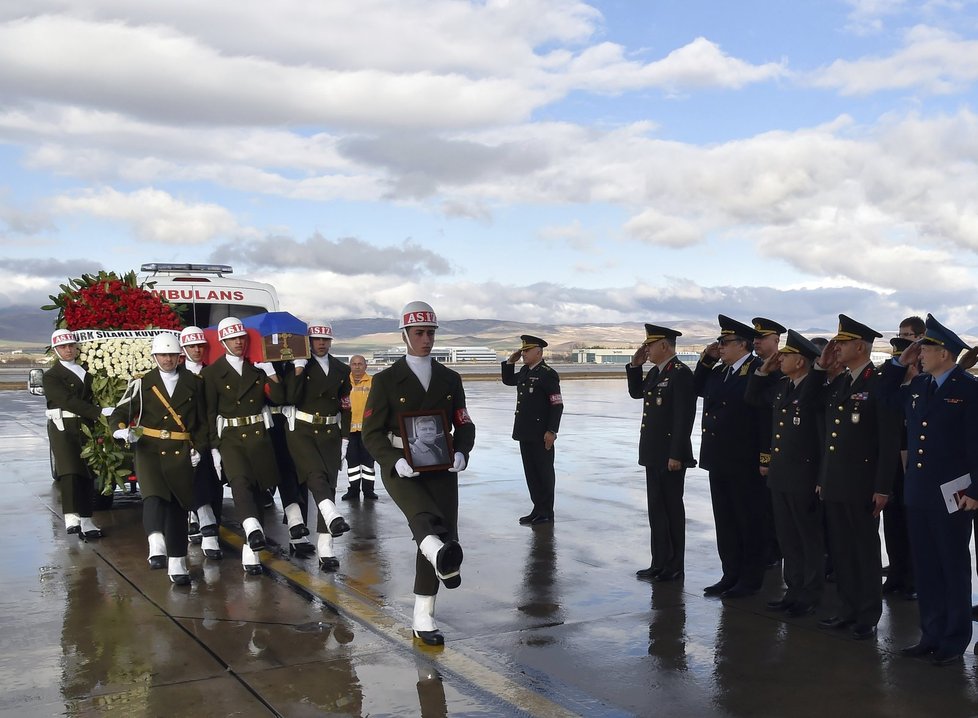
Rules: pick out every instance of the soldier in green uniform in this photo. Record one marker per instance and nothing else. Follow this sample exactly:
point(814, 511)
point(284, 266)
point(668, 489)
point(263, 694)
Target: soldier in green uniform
point(70, 402)
point(238, 420)
point(539, 406)
point(429, 501)
point(167, 408)
point(319, 389)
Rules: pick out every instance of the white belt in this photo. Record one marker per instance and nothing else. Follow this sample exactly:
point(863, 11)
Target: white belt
point(57, 417)
point(316, 419)
point(396, 441)
point(243, 420)
point(59, 414)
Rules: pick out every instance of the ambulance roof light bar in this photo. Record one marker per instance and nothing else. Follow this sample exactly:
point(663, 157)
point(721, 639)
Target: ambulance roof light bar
point(218, 269)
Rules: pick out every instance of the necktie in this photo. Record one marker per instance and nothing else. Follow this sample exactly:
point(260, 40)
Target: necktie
point(730, 373)
point(931, 387)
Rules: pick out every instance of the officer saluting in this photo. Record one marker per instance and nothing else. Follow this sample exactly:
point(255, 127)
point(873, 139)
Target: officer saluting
point(238, 421)
point(68, 392)
point(941, 407)
point(664, 446)
point(539, 406)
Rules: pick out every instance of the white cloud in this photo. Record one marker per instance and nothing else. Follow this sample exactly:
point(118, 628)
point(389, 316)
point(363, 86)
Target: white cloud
point(932, 60)
point(154, 215)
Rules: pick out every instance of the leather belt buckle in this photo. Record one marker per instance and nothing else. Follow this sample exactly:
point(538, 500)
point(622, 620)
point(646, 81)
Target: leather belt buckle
point(164, 434)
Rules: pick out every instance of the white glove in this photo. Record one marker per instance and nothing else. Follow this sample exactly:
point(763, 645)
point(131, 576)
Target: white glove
point(194, 458)
point(300, 363)
point(107, 410)
point(343, 447)
point(459, 463)
point(216, 455)
point(265, 366)
point(120, 434)
point(404, 470)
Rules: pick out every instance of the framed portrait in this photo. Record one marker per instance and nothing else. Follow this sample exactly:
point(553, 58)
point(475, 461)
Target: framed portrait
point(427, 440)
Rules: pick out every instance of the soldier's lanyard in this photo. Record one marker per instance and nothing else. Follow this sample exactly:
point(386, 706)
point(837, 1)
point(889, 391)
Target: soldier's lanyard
point(166, 405)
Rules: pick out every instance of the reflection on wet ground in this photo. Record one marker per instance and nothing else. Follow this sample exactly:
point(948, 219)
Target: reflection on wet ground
point(548, 621)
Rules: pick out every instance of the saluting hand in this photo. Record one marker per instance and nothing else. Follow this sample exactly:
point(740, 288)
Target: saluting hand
point(772, 363)
point(514, 356)
point(640, 356)
point(829, 355)
point(910, 355)
point(712, 350)
point(968, 359)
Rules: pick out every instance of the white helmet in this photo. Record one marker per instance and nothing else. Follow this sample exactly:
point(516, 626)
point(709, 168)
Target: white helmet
point(62, 337)
point(165, 344)
point(192, 335)
point(320, 330)
point(418, 314)
point(229, 328)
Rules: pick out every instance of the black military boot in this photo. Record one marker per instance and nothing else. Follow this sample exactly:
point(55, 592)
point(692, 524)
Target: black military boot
point(353, 493)
point(368, 489)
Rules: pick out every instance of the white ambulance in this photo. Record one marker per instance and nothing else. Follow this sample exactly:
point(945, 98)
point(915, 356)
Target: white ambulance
point(204, 294)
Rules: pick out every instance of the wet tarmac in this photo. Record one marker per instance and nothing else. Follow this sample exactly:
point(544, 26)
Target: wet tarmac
point(548, 621)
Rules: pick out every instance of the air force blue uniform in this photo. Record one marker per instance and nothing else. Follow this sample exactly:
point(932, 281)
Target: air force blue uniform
point(942, 444)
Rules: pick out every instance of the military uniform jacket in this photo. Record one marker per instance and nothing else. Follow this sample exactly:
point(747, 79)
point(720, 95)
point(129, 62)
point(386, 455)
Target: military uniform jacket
point(163, 465)
point(942, 433)
point(395, 390)
point(539, 404)
point(245, 450)
point(732, 436)
point(64, 390)
point(862, 440)
point(795, 445)
point(667, 415)
point(315, 392)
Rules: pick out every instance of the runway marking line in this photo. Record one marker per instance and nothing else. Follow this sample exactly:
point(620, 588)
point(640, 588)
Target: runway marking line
point(355, 605)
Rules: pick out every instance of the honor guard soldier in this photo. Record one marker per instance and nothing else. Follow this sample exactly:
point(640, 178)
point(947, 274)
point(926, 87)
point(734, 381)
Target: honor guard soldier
point(664, 446)
point(428, 501)
point(166, 409)
point(733, 435)
point(940, 491)
point(319, 389)
point(786, 384)
point(539, 406)
point(205, 516)
point(238, 420)
point(70, 402)
point(862, 440)
point(359, 462)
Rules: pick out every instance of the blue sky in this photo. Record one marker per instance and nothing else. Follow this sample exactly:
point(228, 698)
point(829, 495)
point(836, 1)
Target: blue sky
point(544, 160)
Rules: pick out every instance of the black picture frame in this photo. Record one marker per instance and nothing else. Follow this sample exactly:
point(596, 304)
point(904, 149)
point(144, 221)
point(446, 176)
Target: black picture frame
point(432, 453)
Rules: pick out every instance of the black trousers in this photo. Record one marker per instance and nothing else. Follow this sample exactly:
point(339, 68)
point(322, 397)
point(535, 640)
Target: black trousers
point(798, 521)
point(897, 536)
point(538, 467)
point(738, 510)
point(77, 494)
point(208, 488)
point(169, 518)
point(359, 462)
point(667, 517)
point(854, 543)
point(429, 502)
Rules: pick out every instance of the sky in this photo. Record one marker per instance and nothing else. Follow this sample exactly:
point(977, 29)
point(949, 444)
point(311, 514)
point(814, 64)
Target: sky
point(538, 160)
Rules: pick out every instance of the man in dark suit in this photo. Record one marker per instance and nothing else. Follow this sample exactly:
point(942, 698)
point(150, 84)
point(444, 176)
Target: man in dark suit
point(941, 407)
point(238, 421)
point(786, 385)
point(856, 477)
point(731, 444)
point(539, 406)
point(70, 402)
point(664, 446)
point(319, 389)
